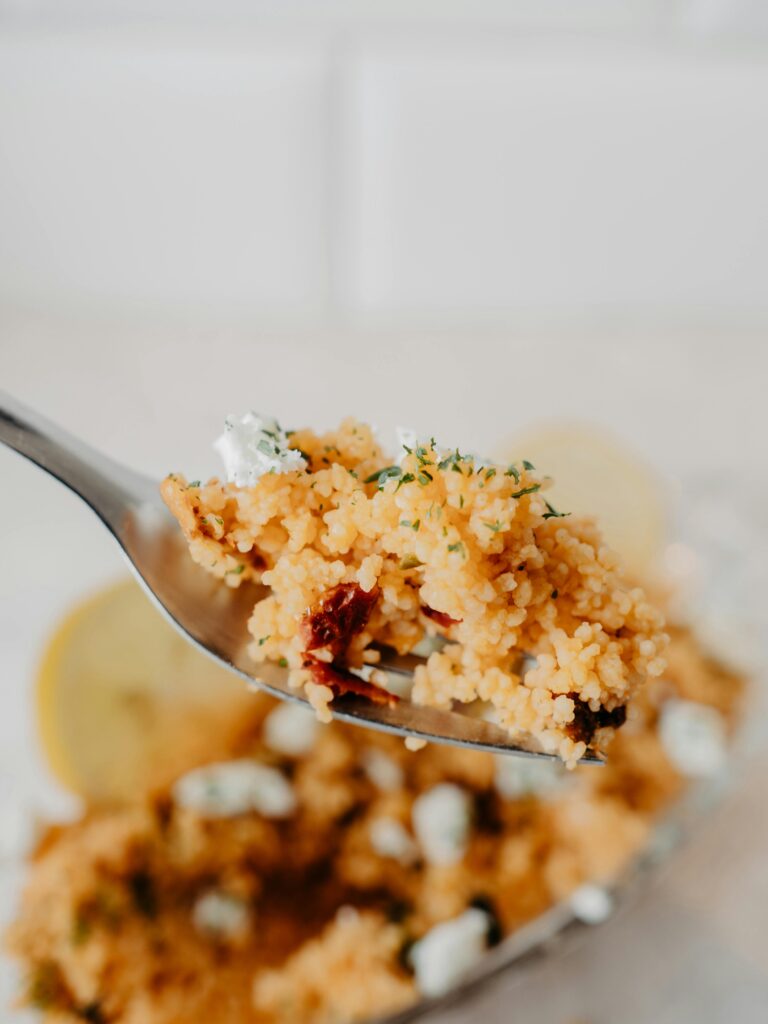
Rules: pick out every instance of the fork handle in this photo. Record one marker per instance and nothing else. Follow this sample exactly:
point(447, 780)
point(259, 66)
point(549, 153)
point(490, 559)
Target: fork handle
point(105, 485)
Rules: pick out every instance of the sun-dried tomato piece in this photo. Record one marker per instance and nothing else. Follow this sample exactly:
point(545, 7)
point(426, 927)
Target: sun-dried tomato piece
point(439, 617)
point(341, 681)
point(339, 614)
point(586, 722)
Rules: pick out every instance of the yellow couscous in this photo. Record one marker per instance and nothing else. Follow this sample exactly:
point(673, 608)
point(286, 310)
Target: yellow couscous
point(359, 550)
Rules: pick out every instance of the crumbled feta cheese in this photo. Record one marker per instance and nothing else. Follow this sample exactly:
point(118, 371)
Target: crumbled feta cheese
point(382, 770)
point(693, 736)
point(441, 819)
point(230, 788)
point(220, 915)
point(390, 838)
point(591, 904)
point(254, 445)
point(290, 729)
point(414, 743)
point(449, 951)
point(516, 777)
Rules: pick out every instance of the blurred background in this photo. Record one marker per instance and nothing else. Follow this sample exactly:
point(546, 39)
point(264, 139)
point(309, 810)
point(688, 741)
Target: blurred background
point(465, 218)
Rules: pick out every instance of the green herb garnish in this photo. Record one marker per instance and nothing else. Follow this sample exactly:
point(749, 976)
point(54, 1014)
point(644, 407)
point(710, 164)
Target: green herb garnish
point(406, 478)
point(268, 447)
point(283, 663)
point(424, 477)
point(512, 471)
point(494, 527)
point(81, 929)
point(381, 477)
point(552, 513)
point(489, 473)
point(527, 490)
point(452, 461)
point(193, 483)
point(236, 571)
point(528, 465)
point(263, 639)
point(410, 562)
point(413, 525)
point(458, 546)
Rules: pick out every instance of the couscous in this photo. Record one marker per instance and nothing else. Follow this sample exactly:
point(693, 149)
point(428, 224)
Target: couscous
point(359, 550)
point(326, 875)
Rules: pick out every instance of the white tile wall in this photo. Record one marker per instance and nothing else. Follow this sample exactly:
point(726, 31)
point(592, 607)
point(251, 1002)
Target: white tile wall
point(456, 175)
point(504, 180)
point(143, 170)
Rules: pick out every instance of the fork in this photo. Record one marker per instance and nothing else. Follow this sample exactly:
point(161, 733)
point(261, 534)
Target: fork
point(211, 616)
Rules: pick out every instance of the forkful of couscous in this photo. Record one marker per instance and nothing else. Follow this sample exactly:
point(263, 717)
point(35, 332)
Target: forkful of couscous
point(433, 595)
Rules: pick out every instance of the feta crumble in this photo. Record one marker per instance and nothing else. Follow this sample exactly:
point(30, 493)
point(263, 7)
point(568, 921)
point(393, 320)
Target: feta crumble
point(591, 904)
point(449, 951)
point(390, 838)
point(382, 770)
point(219, 915)
point(693, 736)
point(252, 446)
point(290, 729)
point(229, 788)
point(516, 777)
point(441, 820)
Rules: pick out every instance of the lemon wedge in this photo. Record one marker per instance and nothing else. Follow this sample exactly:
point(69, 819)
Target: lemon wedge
point(596, 475)
point(124, 704)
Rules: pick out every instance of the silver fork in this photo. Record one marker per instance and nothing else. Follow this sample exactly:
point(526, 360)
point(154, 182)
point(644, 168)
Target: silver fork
point(212, 616)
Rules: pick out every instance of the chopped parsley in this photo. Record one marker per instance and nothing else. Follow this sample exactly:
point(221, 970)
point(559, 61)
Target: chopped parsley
point(406, 478)
point(494, 527)
point(424, 477)
point(268, 447)
point(381, 477)
point(236, 571)
point(193, 483)
point(513, 472)
point(527, 490)
point(528, 465)
point(461, 501)
point(283, 663)
point(452, 461)
point(458, 546)
point(410, 562)
point(413, 525)
point(81, 929)
point(421, 455)
point(552, 513)
point(263, 639)
point(490, 472)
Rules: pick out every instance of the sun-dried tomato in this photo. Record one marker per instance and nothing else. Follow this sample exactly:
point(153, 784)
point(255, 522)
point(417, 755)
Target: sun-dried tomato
point(586, 722)
point(340, 613)
point(439, 617)
point(342, 681)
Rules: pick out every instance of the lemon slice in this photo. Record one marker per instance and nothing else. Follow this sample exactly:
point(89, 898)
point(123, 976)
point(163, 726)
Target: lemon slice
point(125, 704)
point(594, 474)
